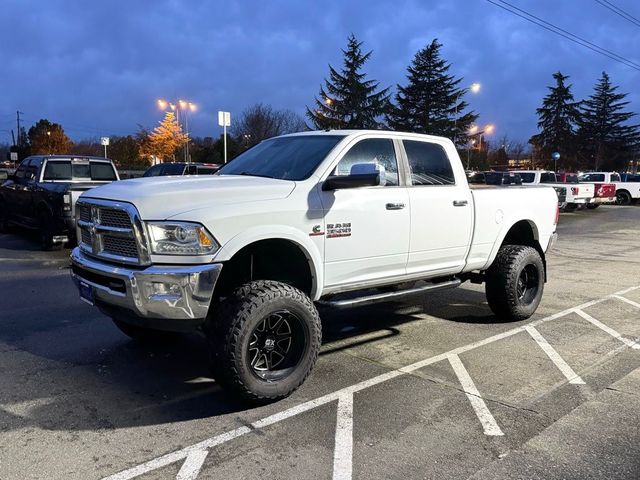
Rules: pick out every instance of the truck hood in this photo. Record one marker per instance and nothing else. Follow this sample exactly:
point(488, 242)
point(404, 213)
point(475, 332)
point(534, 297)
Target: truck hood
point(159, 198)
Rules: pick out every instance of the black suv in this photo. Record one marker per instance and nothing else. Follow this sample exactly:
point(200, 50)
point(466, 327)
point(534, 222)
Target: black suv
point(165, 169)
point(43, 191)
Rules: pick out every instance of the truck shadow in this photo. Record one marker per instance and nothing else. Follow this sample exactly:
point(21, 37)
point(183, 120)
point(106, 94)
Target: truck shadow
point(103, 381)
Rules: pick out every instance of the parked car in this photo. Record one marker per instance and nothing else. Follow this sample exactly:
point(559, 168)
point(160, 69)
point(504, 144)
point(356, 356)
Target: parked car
point(576, 195)
point(178, 168)
point(630, 177)
point(43, 191)
point(602, 192)
point(476, 178)
point(626, 192)
point(502, 178)
point(303, 218)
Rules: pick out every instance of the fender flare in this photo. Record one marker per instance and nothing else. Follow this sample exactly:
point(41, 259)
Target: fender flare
point(503, 234)
point(278, 232)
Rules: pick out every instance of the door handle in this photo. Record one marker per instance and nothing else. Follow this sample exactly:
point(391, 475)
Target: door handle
point(395, 206)
point(460, 203)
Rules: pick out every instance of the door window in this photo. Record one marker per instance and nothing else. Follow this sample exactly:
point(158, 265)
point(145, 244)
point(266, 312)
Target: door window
point(547, 177)
point(428, 163)
point(378, 151)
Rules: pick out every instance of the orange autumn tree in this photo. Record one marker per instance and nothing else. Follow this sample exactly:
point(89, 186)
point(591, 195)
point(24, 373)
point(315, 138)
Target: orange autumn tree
point(165, 139)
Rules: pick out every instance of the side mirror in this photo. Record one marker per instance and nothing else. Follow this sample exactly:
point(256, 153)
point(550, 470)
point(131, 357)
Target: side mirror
point(361, 175)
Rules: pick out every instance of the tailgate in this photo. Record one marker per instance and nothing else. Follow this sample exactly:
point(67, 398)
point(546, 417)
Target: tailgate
point(583, 191)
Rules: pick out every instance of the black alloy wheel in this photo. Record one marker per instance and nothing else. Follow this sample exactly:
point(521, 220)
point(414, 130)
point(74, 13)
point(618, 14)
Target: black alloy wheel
point(528, 284)
point(276, 345)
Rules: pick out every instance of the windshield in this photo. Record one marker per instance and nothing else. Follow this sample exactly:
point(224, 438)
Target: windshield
point(285, 158)
point(527, 177)
point(73, 170)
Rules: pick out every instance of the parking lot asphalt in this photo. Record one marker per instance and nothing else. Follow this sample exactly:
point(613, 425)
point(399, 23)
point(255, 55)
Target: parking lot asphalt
point(437, 388)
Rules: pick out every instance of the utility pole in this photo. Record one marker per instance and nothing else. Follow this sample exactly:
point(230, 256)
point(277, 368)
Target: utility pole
point(18, 113)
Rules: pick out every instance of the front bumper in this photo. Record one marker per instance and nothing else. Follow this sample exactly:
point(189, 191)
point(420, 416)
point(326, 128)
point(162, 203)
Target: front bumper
point(155, 292)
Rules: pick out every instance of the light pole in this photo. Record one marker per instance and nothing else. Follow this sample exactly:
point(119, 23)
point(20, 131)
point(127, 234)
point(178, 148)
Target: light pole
point(475, 131)
point(473, 88)
point(186, 107)
point(49, 141)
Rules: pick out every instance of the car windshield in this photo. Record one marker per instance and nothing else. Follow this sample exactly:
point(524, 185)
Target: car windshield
point(285, 158)
point(527, 177)
point(79, 170)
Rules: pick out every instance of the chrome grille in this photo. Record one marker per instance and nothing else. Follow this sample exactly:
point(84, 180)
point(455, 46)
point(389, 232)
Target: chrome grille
point(110, 217)
point(86, 237)
point(85, 213)
point(112, 231)
point(120, 247)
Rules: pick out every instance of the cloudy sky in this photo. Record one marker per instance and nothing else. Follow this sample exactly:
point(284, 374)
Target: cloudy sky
point(98, 67)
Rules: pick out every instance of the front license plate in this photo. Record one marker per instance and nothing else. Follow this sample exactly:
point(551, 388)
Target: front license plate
point(86, 293)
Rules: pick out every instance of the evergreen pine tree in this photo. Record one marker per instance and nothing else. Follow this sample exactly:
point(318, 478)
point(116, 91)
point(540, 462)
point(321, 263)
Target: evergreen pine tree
point(557, 123)
point(348, 99)
point(607, 141)
point(431, 101)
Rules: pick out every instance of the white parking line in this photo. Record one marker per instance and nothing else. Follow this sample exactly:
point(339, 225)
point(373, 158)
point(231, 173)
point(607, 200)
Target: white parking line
point(489, 424)
point(630, 302)
point(337, 395)
point(343, 453)
point(555, 357)
point(192, 465)
point(609, 330)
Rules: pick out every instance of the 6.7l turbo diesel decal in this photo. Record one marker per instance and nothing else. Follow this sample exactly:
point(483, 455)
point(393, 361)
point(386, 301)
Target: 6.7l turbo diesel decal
point(335, 230)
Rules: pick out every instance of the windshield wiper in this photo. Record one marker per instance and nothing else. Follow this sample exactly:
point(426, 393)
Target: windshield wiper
point(250, 174)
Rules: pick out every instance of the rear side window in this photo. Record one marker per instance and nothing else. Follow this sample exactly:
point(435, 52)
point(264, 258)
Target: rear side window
point(547, 178)
point(615, 177)
point(527, 177)
point(428, 163)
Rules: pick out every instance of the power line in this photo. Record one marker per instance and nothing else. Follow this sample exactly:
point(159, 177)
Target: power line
point(617, 10)
point(564, 33)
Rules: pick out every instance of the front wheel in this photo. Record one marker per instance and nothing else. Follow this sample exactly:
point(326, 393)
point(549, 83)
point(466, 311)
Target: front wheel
point(515, 282)
point(264, 340)
point(4, 217)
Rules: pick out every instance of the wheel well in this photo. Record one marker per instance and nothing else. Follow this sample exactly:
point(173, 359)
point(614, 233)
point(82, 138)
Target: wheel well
point(523, 233)
point(274, 259)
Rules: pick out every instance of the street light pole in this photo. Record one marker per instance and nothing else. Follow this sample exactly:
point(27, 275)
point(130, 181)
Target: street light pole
point(473, 88)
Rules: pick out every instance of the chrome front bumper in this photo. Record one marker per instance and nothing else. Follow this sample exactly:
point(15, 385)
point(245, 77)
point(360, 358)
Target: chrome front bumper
point(162, 292)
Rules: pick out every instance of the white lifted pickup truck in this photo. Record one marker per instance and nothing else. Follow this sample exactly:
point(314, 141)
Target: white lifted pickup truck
point(335, 219)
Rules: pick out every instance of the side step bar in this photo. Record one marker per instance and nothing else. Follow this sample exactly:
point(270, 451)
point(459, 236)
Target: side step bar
point(386, 296)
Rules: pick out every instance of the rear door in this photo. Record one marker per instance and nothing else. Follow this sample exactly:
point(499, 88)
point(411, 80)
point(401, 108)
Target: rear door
point(441, 210)
point(366, 228)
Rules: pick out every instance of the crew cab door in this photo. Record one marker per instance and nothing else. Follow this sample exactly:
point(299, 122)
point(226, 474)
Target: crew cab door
point(366, 228)
point(441, 210)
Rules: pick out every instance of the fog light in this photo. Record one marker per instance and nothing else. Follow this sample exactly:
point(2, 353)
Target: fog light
point(162, 288)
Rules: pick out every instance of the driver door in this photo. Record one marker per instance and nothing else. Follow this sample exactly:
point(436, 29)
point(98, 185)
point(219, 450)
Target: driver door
point(366, 228)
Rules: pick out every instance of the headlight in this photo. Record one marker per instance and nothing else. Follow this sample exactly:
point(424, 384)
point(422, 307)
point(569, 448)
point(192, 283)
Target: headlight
point(180, 238)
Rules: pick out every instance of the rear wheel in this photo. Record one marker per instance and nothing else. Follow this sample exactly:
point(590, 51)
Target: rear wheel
point(592, 206)
point(623, 197)
point(569, 207)
point(46, 232)
point(264, 340)
point(515, 282)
